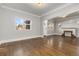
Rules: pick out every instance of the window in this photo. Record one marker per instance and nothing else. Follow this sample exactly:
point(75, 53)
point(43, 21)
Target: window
point(23, 24)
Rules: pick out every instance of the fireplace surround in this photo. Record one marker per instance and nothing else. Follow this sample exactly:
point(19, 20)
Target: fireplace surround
point(70, 32)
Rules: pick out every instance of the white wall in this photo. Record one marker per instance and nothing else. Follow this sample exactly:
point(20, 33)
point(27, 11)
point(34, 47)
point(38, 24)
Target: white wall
point(70, 24)
point(67, 24)
point(8, 26)
point(62, 12)
point(50, 27)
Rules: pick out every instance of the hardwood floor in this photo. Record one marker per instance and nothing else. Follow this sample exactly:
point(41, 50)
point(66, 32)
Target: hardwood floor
point(48, 46)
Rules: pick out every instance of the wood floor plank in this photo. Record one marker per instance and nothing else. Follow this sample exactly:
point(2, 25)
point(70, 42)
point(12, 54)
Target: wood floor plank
point(47, 46)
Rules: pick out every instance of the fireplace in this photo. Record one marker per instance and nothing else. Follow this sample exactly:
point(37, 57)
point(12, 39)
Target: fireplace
point(70, 32)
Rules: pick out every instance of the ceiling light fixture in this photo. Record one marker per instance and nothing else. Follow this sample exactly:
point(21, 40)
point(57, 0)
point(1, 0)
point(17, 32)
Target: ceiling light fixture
point(40, 3)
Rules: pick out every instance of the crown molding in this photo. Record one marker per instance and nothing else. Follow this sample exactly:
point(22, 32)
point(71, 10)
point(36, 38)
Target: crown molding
point(45, 14)
point(17, 10)
point(62, 6)
point(20, 11)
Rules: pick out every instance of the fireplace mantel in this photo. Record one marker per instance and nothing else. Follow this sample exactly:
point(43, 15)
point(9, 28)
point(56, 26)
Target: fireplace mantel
point(69, 28)
point(69, 32)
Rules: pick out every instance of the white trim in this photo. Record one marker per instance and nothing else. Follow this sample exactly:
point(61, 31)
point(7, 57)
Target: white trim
point(49, 34)
point(58, 33)
point(63, 6)
point(18, 39)
point(17, 10)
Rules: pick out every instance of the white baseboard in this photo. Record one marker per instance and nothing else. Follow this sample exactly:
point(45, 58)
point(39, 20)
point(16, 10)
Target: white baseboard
point(53, 34)
point(18, 39)
point(49, 34)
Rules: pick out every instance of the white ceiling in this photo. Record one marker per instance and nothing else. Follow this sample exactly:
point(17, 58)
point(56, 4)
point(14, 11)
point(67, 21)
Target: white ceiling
point(33, 7)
